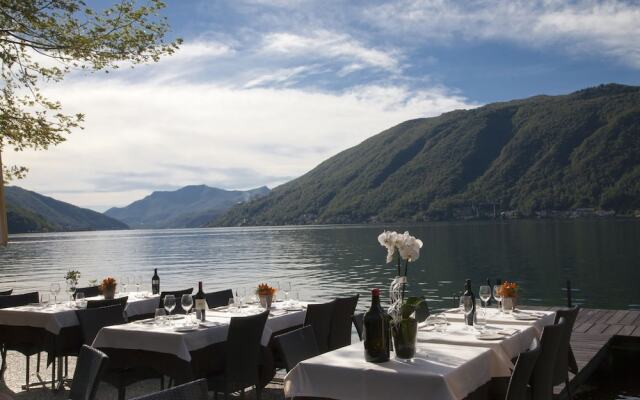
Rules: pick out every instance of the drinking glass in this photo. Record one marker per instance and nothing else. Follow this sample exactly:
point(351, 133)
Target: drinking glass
point(55, 289)
point(169, 304)
point(159, 316)
point(287, 290)
point(468, 308)
point(45, 298)
point(138, 282)
point(80, 301)
point(187, 303)
point(480, 320)
point(232, 304)
point(441, 323)
point(125, 284)
point(485, 295)
point(71, 289)
point(461, 304)
point(497, 296)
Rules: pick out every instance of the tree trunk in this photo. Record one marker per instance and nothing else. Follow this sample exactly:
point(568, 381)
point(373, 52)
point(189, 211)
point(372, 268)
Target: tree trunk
point(4, 229)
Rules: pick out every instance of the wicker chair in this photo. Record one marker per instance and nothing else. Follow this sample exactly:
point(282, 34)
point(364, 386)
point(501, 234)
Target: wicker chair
point(218, 299)
point(566, 364)
point(6, 292)
point(341, 322)
point(296, 346)
point(89, 369)
point(358, 322)
point(196, 390)
point(107, 302)
point(319, 317)
point(519, 383)
point(242, 356)
point(89, 291)
point(94, 319)
point(543, 373)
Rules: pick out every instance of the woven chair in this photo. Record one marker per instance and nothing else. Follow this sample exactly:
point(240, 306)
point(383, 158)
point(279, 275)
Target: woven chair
point(178, 295)
point(566, 364)
point(219, 298)
point(27, 342)
point(543, 373)
point(319, 317)
point(6, 292)
point(341, 322)
point(242, 356)
point(358, 322)
point(94, 319)
point(107, 302)
point(89, 369)
point(196, 390)
point(519, 383)
point(89, 291)
point(296, 346)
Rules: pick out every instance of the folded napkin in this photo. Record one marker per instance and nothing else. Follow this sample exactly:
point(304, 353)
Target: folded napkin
point(508, 331)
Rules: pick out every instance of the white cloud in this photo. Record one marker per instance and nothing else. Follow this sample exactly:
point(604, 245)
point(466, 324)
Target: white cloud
point(144, 136)
point(582, 27)
point(331, 45)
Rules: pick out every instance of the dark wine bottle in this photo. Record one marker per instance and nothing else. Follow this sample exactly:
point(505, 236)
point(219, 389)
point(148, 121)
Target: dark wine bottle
point(155, 282)
point(469, 296)
point(376, 331)
point(201, 304)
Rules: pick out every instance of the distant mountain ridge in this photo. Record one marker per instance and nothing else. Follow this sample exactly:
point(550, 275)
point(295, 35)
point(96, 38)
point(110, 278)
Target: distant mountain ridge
point(188, 207)
point(29, 211)
point(541, 153)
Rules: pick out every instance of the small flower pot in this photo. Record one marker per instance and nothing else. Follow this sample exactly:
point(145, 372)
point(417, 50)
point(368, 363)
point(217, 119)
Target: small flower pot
point(265, 300)
point(405, 332)
point(109, 293)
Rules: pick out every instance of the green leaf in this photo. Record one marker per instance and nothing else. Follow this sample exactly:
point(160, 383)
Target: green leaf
point(409, 306)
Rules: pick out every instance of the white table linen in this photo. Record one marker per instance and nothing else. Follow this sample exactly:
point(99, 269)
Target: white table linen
point(503, 350)
point(145, 335)
point(54, 318)
point(438, 371)
point(494, 316)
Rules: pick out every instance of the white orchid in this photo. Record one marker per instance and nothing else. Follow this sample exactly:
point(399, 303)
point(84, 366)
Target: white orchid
point(408, 247)
point(388, 239)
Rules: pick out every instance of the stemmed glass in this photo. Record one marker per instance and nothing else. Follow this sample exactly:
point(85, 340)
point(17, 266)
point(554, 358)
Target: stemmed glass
point(497, 296)
point(169, 304)
point(55, 289)
point(125, 284)
point(138, 281)
point(187, 303)
point(287, 290)
point(485, 295)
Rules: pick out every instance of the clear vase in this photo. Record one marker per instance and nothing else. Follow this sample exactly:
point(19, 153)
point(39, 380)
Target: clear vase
point(405, 333)
point(508, 304)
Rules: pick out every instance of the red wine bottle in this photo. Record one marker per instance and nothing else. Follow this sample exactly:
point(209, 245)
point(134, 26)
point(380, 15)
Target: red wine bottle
point(376, 331)
point(155, 282)
point(469, 297)
point(201, 303)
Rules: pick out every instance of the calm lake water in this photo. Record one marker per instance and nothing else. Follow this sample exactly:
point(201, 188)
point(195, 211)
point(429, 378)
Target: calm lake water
point(601, 257)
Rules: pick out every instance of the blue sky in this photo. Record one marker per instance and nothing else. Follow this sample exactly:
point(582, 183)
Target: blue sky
point(262, 91)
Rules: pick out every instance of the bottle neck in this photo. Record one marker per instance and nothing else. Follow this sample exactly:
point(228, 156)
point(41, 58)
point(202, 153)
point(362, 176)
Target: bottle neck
point(199, 286)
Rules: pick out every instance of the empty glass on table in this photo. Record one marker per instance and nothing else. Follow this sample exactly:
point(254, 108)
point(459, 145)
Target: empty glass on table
point(45, 299)
point(187, 302)
point(55, 289)
point(497, 295)
point(169, 304)
point(485, 295)
point(80, 301)
point(159, 317)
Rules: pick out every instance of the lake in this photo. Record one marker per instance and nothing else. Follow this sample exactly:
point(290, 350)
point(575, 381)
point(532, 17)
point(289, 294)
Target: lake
point(601, 257)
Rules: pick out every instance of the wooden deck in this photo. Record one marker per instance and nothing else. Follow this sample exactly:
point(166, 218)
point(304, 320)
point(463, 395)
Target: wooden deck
point(592, 336)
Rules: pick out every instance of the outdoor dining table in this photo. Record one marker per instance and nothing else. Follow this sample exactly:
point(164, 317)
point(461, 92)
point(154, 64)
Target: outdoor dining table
point(56, 327)
point(453, 364)
point(522, 316)
point(190, 352)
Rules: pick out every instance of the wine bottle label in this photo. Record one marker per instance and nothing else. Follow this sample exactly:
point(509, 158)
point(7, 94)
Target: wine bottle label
point(201, 304)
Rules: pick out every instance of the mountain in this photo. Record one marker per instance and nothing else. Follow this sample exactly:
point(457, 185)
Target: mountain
point(540, 153)
point(29, 211)
point(189, 207)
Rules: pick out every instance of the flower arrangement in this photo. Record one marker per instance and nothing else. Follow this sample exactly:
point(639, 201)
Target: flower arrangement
point(72, 277)
point(402, 247)
point(508, 290)
point(265, 290)
point(108, 283)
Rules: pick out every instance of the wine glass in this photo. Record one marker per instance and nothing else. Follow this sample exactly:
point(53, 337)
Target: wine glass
point(159, 316)
point(45, 298)
point(125, 284)
point(187, 303)
point(468, 308)
point(287, 290)
point(441, 323)
point(461, 304)
point(497, 296)
point(55, 289)
point(485, 295)
point(169, 304)
point(138, 282)
point(232, 304)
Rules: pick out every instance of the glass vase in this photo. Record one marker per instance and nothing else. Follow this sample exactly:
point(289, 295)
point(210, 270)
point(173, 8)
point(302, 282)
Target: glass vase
point(405, 333)
point(508, 304)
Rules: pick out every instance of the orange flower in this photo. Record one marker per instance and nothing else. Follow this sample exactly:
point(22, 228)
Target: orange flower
point(508, 289)
point(107, 283)
point(265, 290)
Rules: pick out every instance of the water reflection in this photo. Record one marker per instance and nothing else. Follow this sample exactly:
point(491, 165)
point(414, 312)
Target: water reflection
point(600, 257)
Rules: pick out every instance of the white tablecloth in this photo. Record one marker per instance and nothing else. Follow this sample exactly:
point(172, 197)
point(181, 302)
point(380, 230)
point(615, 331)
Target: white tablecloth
point(503, 350)
point(438, 371)
point(54, 318)
point(494, 316)
point(146, 335)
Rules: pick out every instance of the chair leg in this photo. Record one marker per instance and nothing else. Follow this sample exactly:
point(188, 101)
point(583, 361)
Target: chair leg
point(53, 374)
point(215, 395)
point(258, 392)
point(161, 382)
point(27, 374)
point(121, 391)
point(66, 366)
point(38, 363)
point(569, 396)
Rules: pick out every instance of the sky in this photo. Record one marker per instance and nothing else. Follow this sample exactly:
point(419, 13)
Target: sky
point(262, 91)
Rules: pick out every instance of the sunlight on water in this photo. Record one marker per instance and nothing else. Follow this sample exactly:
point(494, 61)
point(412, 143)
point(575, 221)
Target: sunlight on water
point(600, 257)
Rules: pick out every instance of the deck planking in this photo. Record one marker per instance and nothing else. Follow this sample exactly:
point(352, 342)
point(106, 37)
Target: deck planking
point(591, 339)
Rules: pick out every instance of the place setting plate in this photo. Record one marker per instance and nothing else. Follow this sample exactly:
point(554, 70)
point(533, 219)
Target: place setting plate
point(489, 335)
